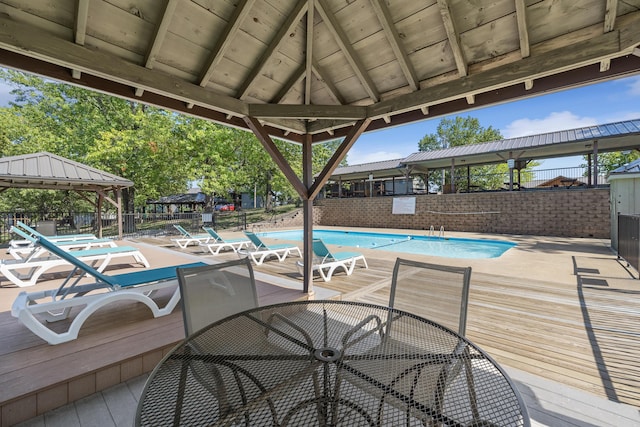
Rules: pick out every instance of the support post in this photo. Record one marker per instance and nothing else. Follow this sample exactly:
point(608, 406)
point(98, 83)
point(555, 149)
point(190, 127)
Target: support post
point(307, 211)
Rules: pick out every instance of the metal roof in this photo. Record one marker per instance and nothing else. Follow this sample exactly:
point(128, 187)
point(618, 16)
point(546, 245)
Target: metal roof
point(180, 199)
point(616, 136)
point(382, 169)
point(48, 171)
point(629, 169)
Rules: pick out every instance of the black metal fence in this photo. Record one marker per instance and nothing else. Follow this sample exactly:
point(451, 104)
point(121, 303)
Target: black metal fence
point(629, 239)
point(134, 224)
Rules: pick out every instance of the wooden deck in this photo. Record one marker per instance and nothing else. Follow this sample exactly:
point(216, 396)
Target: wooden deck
point(580, 329)
point(583, 332)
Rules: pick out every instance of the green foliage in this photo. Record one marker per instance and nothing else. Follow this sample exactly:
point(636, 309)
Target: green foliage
point(458, 132)
point(610, 161)
point(160, 151)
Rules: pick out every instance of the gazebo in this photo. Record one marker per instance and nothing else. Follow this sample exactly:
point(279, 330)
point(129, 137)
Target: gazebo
point(316, 70)
point(46, 171)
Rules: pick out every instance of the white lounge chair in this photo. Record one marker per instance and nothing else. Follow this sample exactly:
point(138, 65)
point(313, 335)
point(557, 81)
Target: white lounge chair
point(36, 309)
point(57, 239)
point(219, 243)
point(24, 251)
point(26, 272)
point(325, 262)
point(188, 238)
point(261, 251)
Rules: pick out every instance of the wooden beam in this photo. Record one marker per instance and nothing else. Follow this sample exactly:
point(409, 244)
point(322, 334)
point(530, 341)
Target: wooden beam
point(228, 35)
point(346, 144)
point(333, 90)
point(161, 32)
point(611, 12)
point(34, 43)
point(345, 45)
point(309, 53)
point(277, 157)
point(80, 24)
point(454, 37)
point(533, 67)
point(342, 112)
point(384, 16)
point(523, 29)
point(295, 78)
point(292, 20)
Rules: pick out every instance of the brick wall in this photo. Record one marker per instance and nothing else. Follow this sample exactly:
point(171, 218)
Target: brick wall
point(558, 212)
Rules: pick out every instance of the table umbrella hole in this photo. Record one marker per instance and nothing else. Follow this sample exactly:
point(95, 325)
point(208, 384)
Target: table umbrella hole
point(327, 354)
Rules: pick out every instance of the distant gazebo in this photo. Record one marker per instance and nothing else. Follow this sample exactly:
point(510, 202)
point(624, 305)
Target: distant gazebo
point(47, 171)
point(191, 201)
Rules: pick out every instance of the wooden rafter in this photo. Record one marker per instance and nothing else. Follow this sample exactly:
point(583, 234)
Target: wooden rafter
point(335, 93)
point(276, 155)
point(161, 32)
point(346, 47)
point(80, 29)
point(611, 12)
point(292, 20)
point(309, 53)
point(295, 78)
point(454, 37)
point(358, 128)
point(523, 29)
point(82, 14)
point(384, 16)
point(158, 38)
point(535, 66)
point(233, 26)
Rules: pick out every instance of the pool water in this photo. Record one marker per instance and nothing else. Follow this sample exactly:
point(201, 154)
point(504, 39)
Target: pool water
point(449, 247)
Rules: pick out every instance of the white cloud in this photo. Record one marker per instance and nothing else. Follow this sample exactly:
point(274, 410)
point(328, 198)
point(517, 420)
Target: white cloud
point(355, 157)
point(634, 86)
point(553, 122)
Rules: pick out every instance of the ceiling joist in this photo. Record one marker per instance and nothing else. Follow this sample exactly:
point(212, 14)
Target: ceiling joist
point(346, 47)
point(233, 26)
point(453, 36)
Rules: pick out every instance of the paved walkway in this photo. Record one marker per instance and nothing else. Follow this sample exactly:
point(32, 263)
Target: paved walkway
point(549, 403)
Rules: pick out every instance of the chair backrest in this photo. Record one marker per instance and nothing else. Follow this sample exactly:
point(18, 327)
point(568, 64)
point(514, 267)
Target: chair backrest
point(259, 244)
point(181, 229)
point(213, 292)
point(436, 292)
point(71, 259)
point(213, 233)
point(320, 249)
point(28, 229)
point(22, 234)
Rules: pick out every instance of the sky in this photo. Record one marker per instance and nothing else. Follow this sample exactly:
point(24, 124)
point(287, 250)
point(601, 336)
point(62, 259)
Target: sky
point(607, 102)
point(601, 103)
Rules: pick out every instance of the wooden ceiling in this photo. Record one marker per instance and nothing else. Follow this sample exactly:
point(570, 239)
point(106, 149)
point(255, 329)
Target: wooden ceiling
point(314, 68)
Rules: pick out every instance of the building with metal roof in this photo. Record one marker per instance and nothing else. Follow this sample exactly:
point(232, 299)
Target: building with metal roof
point(47, 171)
point(589, 141)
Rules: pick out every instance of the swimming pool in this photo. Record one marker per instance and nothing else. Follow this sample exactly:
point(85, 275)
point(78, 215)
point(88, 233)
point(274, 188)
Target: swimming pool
point(449, 247)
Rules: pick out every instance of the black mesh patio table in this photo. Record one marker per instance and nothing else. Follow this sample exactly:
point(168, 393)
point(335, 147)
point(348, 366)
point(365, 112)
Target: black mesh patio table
point(329, 363)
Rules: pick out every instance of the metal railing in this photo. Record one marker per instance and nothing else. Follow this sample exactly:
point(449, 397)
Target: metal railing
point(134, 224)
point(475, 179)
point(629, 239)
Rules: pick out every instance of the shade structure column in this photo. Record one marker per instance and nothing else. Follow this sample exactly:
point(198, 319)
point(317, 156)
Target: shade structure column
point(307, 211)
point(307, 188)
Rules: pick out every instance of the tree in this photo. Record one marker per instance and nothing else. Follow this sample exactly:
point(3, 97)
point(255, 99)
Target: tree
point(610, 161)
point(458, 132)
point(160, 151)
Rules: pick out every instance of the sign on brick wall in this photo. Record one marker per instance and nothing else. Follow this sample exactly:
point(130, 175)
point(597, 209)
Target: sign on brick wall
point(404, 206)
